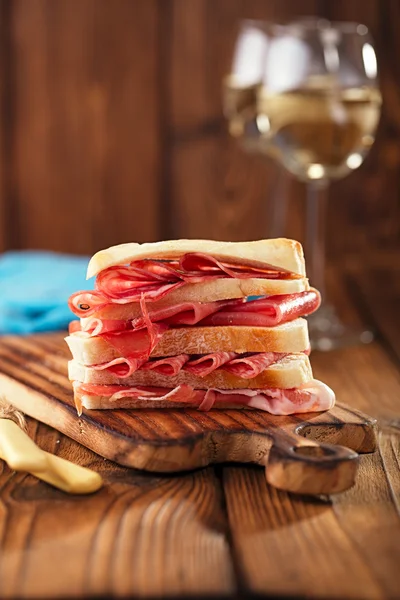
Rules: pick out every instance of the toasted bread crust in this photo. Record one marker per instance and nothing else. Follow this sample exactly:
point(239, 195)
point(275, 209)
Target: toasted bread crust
point(281, 252)
point(292, 371)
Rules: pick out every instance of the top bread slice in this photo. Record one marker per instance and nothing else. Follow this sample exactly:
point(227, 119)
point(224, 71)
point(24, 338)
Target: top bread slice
point(281, 253)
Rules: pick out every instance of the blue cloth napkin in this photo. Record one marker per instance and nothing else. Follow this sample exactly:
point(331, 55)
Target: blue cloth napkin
point(34, 290)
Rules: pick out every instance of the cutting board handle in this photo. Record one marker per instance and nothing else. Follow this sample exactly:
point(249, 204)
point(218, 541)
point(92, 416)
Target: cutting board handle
point(304, 466)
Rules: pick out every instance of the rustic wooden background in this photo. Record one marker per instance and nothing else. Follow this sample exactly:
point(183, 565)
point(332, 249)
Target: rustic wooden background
point(111, 128)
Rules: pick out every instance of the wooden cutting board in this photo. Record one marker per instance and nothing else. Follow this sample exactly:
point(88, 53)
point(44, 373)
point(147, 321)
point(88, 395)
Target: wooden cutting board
point(311, 454)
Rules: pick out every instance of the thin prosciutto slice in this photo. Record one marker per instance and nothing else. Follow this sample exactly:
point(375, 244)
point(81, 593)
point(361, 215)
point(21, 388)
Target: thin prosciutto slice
point(314, 396)
point(96, 326)
point(136, 344)
point(134, 347)
point(151, 278)
point(181, 394)
point(248, 367)
point(121, 367)
point(74, 326)
point(208, 363)
point(195, 265)
point(170, 365)
point(185, 313)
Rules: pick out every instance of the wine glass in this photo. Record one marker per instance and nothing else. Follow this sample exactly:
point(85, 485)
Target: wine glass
point(240, 91)
point(310, 99)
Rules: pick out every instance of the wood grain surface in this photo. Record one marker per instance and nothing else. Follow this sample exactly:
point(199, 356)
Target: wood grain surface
point(222, 531)
point(139, 535)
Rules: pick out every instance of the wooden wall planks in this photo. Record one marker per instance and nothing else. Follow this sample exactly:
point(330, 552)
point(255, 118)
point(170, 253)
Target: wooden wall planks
point(7, 205)
point(86, 154)
point(112, 128)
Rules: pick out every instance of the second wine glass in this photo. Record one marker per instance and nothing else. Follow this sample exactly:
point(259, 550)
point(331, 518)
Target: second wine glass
point(314, 107)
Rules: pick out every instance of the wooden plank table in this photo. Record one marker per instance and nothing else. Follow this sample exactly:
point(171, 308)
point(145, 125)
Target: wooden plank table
point(222, 531)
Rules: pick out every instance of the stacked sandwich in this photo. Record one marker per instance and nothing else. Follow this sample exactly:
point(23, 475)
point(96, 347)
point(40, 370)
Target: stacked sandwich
point(171, 324)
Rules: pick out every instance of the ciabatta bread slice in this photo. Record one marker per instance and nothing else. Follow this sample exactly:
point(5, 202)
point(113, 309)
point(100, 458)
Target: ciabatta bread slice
point(280, 253)
point(289, 337)
point(208, 291)
point(291, 372)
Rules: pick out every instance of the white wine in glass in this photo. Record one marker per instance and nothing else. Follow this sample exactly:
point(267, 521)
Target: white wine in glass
point(320, 134)
point(240, 98)
point(317, 109)
point(241, 86)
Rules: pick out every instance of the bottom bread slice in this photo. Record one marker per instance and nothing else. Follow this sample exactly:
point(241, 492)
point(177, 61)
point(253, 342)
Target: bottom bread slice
point(313, 396)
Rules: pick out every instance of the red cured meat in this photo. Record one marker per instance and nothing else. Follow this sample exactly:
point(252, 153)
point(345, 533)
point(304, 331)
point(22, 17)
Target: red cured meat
point(156, 278)
point(208, 363)
point(248, 367)
point(121, 367)
point(170, 365)
point(313, 396)
point(185, 313)
point(266, 312)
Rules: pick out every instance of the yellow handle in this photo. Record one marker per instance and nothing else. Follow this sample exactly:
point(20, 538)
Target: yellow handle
point(22, 454)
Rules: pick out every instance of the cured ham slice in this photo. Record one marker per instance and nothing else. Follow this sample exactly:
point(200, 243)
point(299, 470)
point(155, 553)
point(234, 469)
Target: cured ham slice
point(96, 326)
point(121, 367)
point(135, 344)
point(74, 326)
point(208, 363)
point(196, 265)
point(186, 313)
point(266, 312)
point(148, 278)
point(84, 304)
point(248, 367)
point(181, 394)
point(312, 397)
point(171, 365)
point(154, 279)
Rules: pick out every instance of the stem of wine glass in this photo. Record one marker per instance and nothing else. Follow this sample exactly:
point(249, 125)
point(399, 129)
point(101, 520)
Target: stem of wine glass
point(317, 193)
